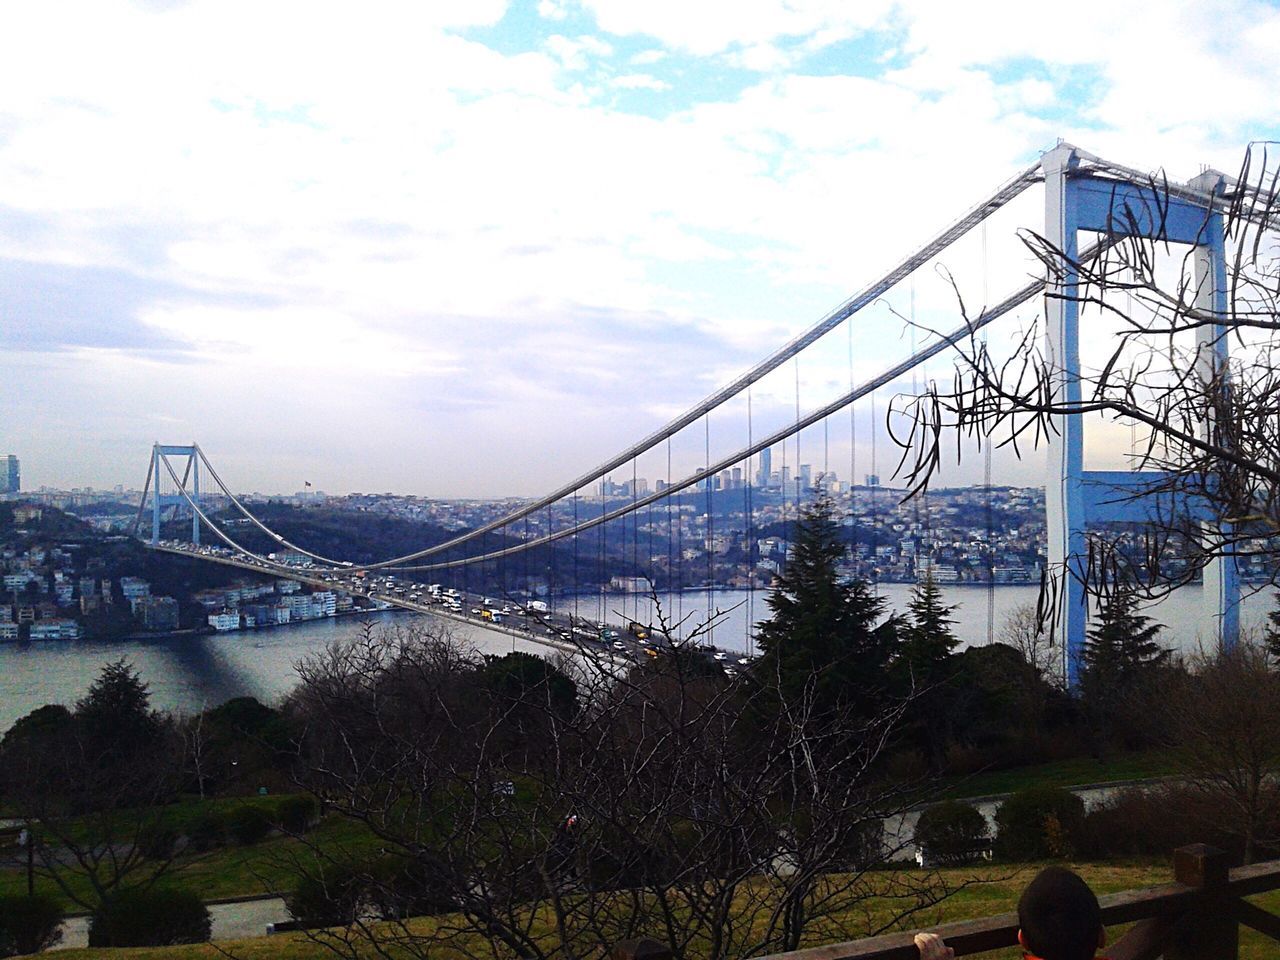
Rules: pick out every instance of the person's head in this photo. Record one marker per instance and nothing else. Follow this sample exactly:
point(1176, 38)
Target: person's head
point(1059, 917)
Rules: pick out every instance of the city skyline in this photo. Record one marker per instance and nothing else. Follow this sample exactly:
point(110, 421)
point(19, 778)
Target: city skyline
point(506, 239)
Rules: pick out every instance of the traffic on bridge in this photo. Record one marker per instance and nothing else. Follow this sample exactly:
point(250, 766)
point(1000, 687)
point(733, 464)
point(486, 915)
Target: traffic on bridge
point(532, 620)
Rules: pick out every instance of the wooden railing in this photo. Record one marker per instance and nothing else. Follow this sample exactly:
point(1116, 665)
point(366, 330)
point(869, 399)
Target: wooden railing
point(1197, 917)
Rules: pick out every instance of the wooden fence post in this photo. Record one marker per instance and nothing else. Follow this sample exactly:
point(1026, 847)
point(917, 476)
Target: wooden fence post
point(641, 949)
point(1210, 932)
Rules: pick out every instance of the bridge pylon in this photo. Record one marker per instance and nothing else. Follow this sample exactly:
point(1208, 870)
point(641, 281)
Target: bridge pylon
point(1077, 199)
point(160, 452)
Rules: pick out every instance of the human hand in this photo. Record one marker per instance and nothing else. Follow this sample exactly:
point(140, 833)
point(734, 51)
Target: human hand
point(933, 947)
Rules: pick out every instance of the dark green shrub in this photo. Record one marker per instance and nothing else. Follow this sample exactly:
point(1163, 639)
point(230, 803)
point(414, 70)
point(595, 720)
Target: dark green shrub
point(329, 897)
point(207, 831)
point(401, 888)
point(157, 841)
point(296, 814)
point(29, 924)
point(951, 832)
point(150, 918)
point(249, 824)
point(1154, 821)
point(1039, 823)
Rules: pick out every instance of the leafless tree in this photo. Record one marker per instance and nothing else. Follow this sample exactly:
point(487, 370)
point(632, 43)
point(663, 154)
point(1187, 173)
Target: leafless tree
point(711, 813)
point(1023, 630)
point(1211, 429)
point(1222, 722)
point(96, 811)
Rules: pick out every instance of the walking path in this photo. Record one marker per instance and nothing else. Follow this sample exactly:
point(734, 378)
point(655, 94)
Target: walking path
point(239, 919)
point(233, 920)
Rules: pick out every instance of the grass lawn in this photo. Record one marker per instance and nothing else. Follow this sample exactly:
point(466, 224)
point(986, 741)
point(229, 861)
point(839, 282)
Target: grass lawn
point(998, 894)
point(238, 871)
point(225, 872)
point(1062, 773)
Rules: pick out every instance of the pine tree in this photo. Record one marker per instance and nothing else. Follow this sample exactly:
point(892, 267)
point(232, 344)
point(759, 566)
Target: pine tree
point(1271, 634)
point(116, 711)
point(822, 626)
point(1124, 646)
point(1121, 654)
point(923, 667)
point(928, 641)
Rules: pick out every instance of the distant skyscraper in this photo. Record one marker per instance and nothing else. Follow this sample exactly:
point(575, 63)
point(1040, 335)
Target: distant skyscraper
point(11, 474)
point(806, 475)
point(873, 480)
point(766, 466)
point(737, 478)
point(786, 477)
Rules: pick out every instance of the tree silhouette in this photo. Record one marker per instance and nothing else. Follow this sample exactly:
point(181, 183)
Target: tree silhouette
point(1271, 632)
point(924, 665)
point(825, 629)
point(927, 638)
point(1123, 646)
point(1121, 656)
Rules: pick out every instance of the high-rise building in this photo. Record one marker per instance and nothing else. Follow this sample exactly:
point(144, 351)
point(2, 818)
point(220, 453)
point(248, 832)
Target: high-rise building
point(766, 466)
point(10, 474)
point(737, 478)
point(806, 475)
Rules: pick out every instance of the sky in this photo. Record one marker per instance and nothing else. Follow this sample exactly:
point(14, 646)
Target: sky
point(473, 248)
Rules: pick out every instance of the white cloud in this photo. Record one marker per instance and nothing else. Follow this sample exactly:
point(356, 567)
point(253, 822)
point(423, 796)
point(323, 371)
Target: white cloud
point(647, 57)
point(576, 53)
point(639, 81)
point(378, 188)
point(714, 26)
point(553, 9)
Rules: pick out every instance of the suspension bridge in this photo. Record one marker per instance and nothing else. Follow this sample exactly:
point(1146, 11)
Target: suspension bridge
point(1083, 194)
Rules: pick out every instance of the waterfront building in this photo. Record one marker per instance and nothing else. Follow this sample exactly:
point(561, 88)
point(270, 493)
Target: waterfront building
point(226, 620)
point(134, 588)
point(158, 613)
point(18, 581)
point(56, 628)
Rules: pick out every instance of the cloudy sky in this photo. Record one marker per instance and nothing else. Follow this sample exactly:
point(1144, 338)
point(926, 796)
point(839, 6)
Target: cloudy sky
point(474, 247)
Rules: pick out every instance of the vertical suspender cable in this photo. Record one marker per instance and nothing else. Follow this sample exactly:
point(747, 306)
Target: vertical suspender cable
point(796, 478)
point(853, 459)
point(679, 553)
point(751, 539)
point(915, 391)
point(670, 562)
point(602, 535)
point(635, 541)
point(711, 576)
point(873, 486)
point(991, 543)
point(575, 560)
point(553, 564)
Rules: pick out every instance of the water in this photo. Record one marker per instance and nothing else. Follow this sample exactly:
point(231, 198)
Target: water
point(188, 674)
point(1180, 612)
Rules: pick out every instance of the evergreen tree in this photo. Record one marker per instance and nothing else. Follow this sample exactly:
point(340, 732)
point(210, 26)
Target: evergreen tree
point(824, 629)
point(1271, 634)
point(924, 667)
point(116, 711)
point(1124, 646)
point(927, 641)
point(1121, 656)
